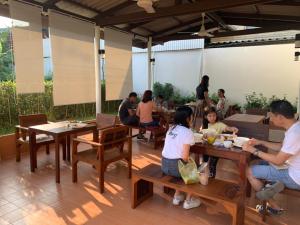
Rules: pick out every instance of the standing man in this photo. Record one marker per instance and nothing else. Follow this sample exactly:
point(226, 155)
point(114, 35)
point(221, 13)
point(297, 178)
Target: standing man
point(282, 115)
point(127, 112)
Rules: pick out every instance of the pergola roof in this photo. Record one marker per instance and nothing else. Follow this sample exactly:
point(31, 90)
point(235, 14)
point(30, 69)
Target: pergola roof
point(175, 16)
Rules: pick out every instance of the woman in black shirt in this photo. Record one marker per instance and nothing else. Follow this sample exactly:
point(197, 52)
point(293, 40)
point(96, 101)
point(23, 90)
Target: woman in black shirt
point(202, 96)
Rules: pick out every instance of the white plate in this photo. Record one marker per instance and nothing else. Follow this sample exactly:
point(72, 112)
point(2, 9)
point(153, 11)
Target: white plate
point(239, 141)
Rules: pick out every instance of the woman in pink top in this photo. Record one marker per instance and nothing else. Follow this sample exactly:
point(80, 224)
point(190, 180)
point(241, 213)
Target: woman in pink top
point(145, 109)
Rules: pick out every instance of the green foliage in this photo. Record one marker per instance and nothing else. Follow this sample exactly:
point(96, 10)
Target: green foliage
point(12, 105)
point(6, 65)
point(166, 90)
point(255, 101)
point(214, 97)
point(170, 94)
point(181, 100)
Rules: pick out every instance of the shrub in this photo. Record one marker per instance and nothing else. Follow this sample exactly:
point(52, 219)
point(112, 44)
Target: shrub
point(166, 90)
point(13, 105)
point(255, 101)
point(214, 97)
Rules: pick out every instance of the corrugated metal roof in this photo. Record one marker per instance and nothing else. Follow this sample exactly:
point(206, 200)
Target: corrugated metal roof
point(270, 36)
point(174, 46)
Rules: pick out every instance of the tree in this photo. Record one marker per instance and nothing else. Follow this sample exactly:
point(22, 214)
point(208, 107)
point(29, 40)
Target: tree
point(6, 59)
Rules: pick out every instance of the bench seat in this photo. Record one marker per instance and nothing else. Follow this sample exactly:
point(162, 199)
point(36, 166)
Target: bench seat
point(223, 192)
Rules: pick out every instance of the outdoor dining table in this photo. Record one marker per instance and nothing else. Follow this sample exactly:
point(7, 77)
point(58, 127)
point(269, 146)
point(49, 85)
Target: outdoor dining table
point(58, 131)
point(245, 118)
point(235, 154)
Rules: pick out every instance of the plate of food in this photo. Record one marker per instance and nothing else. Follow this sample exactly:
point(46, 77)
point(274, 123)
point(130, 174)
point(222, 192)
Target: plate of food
point(239, 141)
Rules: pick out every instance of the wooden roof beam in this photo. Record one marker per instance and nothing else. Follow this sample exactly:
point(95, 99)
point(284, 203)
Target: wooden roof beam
point(214, 17)
point(183, 9)
point(259, 23)
point(260, 17)
point(184, 24)
point(115, 9)
point(286, 3)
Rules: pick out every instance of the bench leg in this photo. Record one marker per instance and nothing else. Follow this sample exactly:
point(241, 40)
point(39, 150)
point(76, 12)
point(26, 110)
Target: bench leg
point(74, 170)
point(18, 152)
point(237, 213)
point(140, 191)
point(47, 149)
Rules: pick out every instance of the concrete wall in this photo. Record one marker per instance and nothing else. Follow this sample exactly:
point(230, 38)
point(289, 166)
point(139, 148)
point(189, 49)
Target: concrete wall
point(269, 69)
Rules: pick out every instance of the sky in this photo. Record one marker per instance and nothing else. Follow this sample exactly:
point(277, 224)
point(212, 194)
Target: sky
point(5, 22)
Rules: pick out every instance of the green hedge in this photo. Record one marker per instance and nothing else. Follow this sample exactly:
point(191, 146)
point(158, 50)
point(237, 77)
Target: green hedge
point(12, 105)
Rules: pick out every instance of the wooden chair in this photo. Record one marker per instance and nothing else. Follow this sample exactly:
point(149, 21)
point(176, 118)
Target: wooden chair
point(104, 121)
point(21, 133)
point(109, 149)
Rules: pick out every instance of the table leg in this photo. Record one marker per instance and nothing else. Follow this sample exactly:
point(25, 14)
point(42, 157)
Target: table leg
point(95, 135)
point(242, 167)
point(57, 166)
point(32, 143)
point(68, 147)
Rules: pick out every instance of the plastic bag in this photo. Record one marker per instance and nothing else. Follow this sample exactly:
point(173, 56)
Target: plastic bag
point(189, 172)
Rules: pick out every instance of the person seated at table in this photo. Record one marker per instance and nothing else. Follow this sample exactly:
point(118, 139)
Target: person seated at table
point(126, 110)
point(221, 104)
point(211, 121)
point(178, 140)
point(144, 111)
point(288, 154)
point(160, 103)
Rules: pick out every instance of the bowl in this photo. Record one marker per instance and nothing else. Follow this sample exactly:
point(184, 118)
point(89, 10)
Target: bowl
point(227, 144)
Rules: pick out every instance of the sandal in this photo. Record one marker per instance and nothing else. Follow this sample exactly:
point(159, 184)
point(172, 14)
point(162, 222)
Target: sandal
point(270, 210)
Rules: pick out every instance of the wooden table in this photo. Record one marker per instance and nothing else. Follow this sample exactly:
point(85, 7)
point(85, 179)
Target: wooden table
point(245, 118)
point(58, 131)
point(235, 154)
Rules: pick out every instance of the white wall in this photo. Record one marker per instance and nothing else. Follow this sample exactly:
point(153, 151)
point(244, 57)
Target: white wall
point(270, 70)
point(180, 68)
point(139, 72)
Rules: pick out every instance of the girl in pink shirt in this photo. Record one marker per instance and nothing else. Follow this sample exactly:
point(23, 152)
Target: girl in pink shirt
point(145, 109)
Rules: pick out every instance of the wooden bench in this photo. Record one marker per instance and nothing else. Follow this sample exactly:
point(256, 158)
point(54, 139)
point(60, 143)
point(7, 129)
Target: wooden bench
point(286, 191)
point(219, 191)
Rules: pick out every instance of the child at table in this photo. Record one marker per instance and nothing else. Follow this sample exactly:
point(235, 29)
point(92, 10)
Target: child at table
point(210, 121)
point(178, 140)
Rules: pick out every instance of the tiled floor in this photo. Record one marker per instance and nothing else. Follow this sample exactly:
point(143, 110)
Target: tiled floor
point(35, 198)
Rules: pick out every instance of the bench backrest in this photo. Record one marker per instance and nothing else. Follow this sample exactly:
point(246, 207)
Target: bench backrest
point(116, 135)
point(104, 121)
point(32, 120)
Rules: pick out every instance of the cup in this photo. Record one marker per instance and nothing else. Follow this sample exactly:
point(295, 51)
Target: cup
point(211, 138)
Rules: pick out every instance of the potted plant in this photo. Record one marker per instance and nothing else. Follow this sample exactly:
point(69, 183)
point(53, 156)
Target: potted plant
point(256, 104)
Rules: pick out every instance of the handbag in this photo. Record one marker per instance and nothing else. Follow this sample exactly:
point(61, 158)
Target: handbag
point(188, 171)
